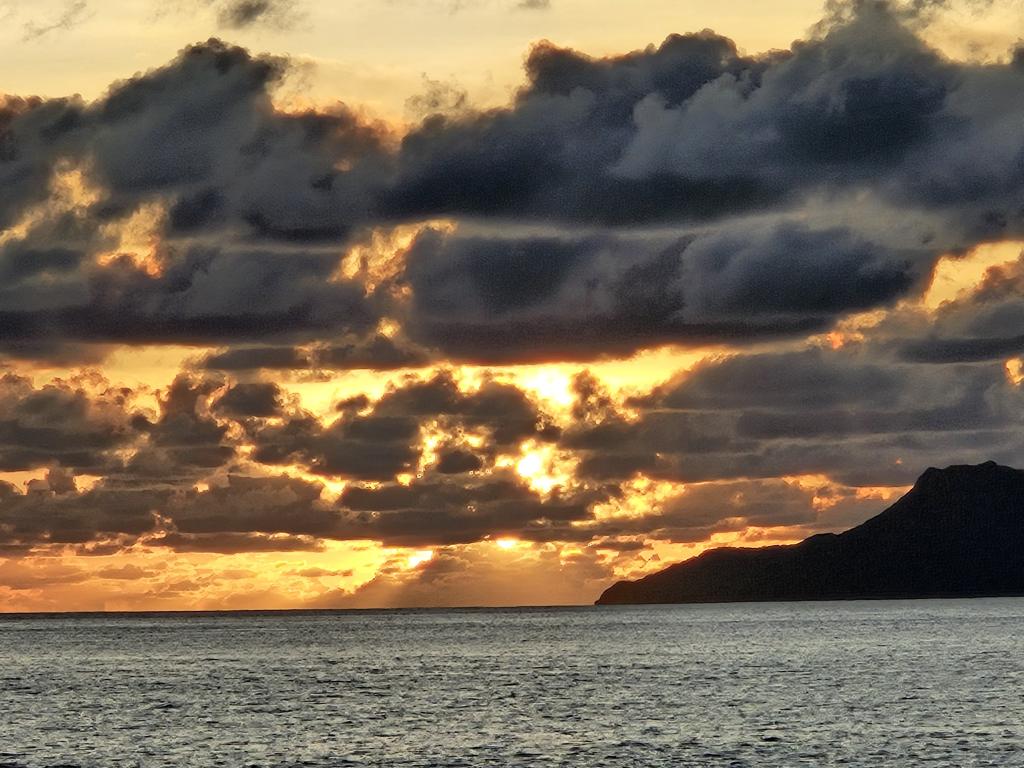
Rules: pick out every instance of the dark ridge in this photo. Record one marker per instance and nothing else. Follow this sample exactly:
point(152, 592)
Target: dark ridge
point(959, 532)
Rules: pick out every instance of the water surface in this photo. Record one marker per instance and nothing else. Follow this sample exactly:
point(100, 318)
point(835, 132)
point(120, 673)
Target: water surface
point(863, 683)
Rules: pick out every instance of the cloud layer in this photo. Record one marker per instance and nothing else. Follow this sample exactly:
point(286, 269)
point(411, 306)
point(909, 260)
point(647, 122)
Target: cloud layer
point(787, 209)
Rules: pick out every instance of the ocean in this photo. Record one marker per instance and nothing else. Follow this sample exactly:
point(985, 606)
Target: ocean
point(899, 683)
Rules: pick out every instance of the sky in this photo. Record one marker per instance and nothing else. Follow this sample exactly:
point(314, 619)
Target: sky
point(485, 302)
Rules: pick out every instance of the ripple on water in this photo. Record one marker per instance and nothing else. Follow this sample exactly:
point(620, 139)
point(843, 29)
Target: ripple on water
point(872, 684)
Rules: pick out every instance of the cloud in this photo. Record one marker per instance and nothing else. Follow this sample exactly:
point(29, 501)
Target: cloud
point(240, 514)
point(704, 510)
point(452, 7)
point(461, 511)
point(267, 505)
point(242, 15)
point(684, 194)
point(530, 299)
point(34, 131)
point(438, 97)
point(480, 576)
point(239, 14)
point(457, 461)
point(851, 414)
point(17, 576)
point(126, 572)
point(74, 13)
point(185, 440)
point(612, 206)
point(61, 424)
point(372, 352)
point(257, 399)
point(236, 543)
point(386, 441)
point(983, 324)
point(145, 146)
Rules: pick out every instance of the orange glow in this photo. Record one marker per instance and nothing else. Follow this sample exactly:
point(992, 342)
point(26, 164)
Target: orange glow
point(551, 384)
point(542, 467)
point(481, 48)
point(70, 192)
point(151, 577)
point(955, 275)
point(381, 256)
point(1015, 371)
point(138, 239)
point(416, 559)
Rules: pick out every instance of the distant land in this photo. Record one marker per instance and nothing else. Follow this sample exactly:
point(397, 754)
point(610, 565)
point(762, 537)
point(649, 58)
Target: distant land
point(959, 532)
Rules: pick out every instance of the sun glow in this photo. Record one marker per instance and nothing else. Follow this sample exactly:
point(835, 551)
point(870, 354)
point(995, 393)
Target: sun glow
point(1015, 371)
point(418, 558)
point(551, 384)
point(956, 274)
point(138, 239)
point(543, 468)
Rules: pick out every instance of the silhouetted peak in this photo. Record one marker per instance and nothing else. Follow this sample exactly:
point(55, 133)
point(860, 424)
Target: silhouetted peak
point(959, 475)
point(958, 533)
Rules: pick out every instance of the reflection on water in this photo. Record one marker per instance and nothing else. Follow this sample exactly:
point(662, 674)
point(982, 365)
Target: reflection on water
point(873, 684)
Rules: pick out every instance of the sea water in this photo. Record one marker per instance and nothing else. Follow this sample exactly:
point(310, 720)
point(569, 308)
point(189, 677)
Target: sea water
point(861, 683)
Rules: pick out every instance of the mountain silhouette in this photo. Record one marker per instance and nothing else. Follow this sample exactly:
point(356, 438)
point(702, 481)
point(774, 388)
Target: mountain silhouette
point(959, 532)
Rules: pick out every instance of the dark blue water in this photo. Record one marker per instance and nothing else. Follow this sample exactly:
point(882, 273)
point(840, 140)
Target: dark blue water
point(867, 684)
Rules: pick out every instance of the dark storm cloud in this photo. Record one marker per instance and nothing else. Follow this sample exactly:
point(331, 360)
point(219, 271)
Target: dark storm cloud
point(258, 399)
point(368, 448)
point(50, 254)
point(32, 140)
point(850, 106)
point(60, 424)
point(505, 412)
point(558, 299)
point(200, 296)
point(253, 514)
point(202, 133)
point(963, 349)
point(692, 130)
point(663, 154)
point(456, 461)
point(432, 512)
point(707, 509)
point(250, 192)
point(254, 358)
point(39, 517)
point(185, 437)
point(859, 419)
point(551, 155)
point(236, 543)
point(175, 125)
point(374, 352)
point(241, 514)
point(985, 323)
point(255, 505)
point(385, 442)
point(682, 194)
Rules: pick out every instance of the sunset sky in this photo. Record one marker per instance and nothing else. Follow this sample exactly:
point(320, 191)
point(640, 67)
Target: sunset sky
point(381, 303)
